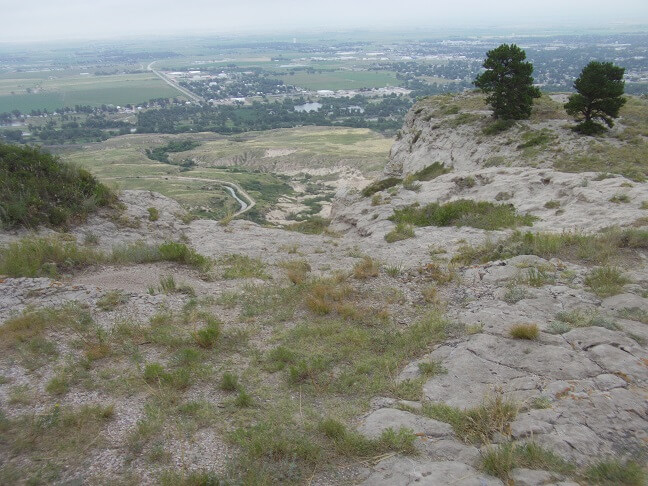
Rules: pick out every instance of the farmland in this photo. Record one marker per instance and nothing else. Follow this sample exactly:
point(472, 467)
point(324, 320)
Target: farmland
point(52, 90)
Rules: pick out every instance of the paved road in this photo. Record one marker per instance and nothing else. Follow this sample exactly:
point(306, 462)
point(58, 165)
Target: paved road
point(173, 84)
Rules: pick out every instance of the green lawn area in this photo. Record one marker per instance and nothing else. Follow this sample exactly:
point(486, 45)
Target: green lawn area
point(58, 90)
point(342, 80)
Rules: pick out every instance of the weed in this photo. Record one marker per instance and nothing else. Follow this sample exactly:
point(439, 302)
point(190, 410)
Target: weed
point(229, 382)
point(242, 266)
point(111, 300)
point(598, 248)
point(153, 214)
point(401, 231)
point(463, 212)
point(497, 126)
point(524, 331)
point(500, 461)
point(620, 198)
point(584, 318)
point(537, 277)
point(606, 281)
point(33, 257)
point(634, 314)
point(314, 225)
point(616, 473)
point(381, 185)
point(475, 425)
point(431, 368)
point(296, 270)
point(429, 294)
point(515, 294)
point(243, 399)
point(431, 172)
point(366, 268)
point(552, 204)
point(208, 336)
point(394, 270)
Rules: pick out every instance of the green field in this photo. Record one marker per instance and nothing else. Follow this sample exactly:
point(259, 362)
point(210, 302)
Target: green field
point(52, 90)
point(341, 80)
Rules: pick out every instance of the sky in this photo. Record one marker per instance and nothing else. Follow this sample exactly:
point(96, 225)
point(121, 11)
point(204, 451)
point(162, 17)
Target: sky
point(94, 19)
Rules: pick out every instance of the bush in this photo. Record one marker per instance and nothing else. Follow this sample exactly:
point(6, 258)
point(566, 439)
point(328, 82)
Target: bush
point(37, 188)
point(463, 212)
point(154, 214)
point(606, 281)
point(497, 126)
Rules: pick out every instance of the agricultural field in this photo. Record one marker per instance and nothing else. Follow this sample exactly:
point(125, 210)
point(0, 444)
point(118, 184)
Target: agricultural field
point(53, 89)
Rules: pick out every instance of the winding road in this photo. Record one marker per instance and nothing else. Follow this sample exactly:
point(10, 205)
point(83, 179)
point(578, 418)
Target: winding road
point(232, 188)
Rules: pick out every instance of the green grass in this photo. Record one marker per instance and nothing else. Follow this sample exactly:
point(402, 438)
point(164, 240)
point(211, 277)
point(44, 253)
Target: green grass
point(37, 188)
point(242, 266)
point(51, 256)
point(616, 473)
point(475, 425)
point(432, 171)
point(111, 300)
point(500, 461)
point(570, 246)
point(584, 318)
point(380, 185)
point(606, 281)
point(401, 231)
point(463, 212)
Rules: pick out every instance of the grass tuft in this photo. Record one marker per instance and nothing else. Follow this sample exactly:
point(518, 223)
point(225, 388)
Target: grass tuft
point(525, 331)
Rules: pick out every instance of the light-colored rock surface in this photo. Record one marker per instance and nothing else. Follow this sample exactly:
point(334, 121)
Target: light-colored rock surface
point(377, 422)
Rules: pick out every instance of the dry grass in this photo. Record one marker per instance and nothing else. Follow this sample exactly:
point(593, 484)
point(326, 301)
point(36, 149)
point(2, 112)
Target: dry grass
point(525, 331)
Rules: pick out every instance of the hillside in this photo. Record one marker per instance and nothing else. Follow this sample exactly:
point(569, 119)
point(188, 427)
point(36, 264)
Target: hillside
point(477, 316)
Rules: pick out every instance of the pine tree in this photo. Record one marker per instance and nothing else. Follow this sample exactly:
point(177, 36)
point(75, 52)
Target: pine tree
point(508, 82)
point(599, 88)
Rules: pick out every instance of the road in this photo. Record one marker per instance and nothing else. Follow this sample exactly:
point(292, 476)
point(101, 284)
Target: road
point(233, 188)
point(173, 84)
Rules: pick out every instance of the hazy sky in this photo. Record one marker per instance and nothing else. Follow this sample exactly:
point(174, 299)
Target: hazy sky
point(67, 19)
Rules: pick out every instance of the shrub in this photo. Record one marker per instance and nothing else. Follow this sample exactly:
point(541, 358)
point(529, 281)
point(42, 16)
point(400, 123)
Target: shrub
point(37, 188)
point(463, 212)
point(315, 225)
point(432, 171)
point(381, 185)
point(525, 331)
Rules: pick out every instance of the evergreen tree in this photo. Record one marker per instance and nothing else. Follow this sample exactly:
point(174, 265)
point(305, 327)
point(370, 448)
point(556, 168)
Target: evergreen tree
point(599, 89)
point(508, 82)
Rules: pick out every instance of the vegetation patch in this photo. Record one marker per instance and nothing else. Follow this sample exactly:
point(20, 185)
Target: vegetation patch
point(616, 472)
point(402, 231)
point(242, 266)
point(500, 461)
point(525, 331)
point(570, 246)
point(432, 171)
point(463, 212)
point(381, 185)
point(37, 188)
point(606, 281)
point(475, 425)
